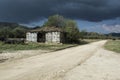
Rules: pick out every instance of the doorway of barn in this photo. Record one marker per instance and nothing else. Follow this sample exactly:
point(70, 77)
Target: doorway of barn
point(41, 37)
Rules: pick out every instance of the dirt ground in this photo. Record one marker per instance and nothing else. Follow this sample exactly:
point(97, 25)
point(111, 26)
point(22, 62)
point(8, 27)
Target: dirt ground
point(13, 55)
point(87, 62)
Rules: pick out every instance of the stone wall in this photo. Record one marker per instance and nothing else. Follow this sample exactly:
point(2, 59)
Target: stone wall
point(31, 37)
point(52, 37)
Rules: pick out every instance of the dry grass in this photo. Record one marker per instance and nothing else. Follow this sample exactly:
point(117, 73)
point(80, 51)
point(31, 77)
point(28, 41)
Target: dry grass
point(33, 46)
point(113, 45)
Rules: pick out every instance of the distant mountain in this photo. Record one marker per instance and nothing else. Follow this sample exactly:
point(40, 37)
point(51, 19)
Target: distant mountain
point(11, 25)
point(8, 24)
point(114, 34)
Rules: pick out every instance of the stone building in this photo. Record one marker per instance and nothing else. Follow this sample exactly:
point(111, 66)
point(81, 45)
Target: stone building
point(46, 35)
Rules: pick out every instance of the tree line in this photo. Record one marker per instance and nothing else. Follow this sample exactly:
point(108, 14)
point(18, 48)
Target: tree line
point(94, 35)
point(16, 32)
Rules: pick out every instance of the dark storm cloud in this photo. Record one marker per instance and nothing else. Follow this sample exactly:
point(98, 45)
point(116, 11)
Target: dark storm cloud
point(24, 11)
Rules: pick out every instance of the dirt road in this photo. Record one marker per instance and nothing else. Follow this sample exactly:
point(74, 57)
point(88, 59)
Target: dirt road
point(88, 62)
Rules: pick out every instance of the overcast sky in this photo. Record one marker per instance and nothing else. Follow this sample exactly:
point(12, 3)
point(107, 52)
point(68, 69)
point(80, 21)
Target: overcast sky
point(91, 15)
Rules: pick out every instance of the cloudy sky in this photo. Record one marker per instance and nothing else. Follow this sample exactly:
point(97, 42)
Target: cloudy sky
point(92, 15)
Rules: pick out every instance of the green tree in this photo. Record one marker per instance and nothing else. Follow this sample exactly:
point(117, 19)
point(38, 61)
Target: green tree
point(83, 33)
point(19, 32)
point(5, 32)
point(55, 20)
point(72, 30)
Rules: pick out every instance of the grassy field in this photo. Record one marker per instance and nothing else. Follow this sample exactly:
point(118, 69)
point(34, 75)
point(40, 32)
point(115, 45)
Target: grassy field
point(35, 46)
point(113, 45)
point(32, 46)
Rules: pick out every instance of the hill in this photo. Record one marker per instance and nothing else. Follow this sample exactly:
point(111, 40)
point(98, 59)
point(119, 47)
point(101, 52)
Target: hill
point(11, 25)
point(12, 30)
point(115, 34)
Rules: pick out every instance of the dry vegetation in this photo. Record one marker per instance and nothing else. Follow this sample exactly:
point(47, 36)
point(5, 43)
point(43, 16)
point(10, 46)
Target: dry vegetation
point(40, 46)
point(113, 45)
point(33, 46)
point(91, 40)
point(18, 51)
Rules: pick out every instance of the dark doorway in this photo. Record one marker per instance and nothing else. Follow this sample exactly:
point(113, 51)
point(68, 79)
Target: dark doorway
point(41, 37)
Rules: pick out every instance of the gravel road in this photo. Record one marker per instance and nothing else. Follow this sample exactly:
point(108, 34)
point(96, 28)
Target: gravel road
point(87, 62)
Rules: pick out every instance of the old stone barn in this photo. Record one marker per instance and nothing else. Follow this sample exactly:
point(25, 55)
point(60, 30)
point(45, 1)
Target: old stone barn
point(46, 35)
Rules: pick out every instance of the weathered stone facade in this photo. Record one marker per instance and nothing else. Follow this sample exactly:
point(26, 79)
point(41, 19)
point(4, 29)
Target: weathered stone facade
point(31, 37)
point(53, 37)
point(46, 35)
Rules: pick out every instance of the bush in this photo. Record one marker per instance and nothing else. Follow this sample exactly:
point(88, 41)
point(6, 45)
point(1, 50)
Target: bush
point(14, 41)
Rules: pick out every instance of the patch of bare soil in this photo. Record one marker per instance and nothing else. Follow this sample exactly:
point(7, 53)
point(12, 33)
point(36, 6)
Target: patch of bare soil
point(20, 54)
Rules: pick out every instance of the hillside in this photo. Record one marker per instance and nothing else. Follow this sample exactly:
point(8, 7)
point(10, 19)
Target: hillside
point(12, 30)
point(115, 34)
point(10, 25)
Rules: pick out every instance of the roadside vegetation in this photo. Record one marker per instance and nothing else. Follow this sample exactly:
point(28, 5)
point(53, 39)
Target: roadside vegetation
point(42, 46)
point(33, 46)
point(113, 45)
point(91, 40)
